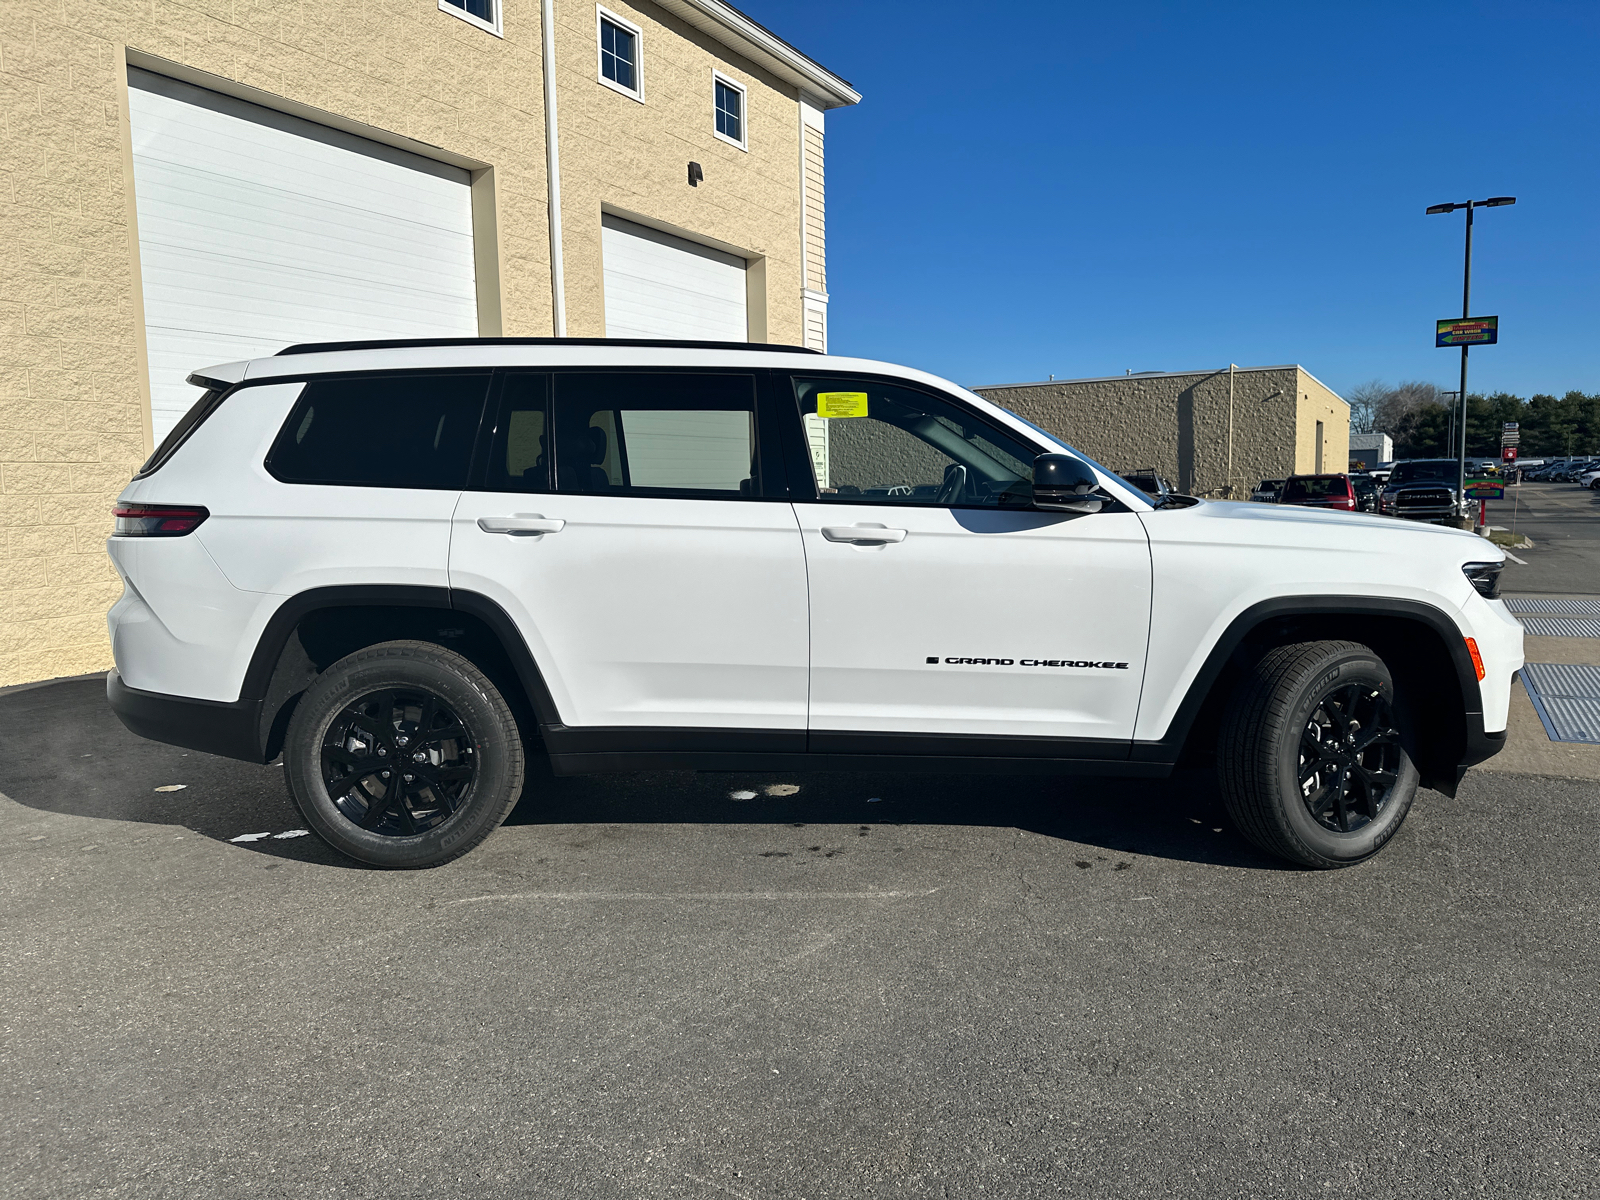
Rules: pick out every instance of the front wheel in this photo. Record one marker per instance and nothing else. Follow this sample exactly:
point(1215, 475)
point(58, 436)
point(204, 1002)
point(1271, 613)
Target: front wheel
point(403, 755)
point(1312, 758)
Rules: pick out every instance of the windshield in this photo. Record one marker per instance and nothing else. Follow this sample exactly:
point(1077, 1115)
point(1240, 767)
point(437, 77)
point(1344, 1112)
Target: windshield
point(1315, 488)
point(1440, 470)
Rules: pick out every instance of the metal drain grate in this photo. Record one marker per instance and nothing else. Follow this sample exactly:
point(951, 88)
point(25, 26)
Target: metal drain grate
point(1536, 604)
point(1567, 699)
point(1562, 626)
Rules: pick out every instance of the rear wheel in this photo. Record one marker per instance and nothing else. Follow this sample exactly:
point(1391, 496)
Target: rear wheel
point(403, 755)
point(1312, 759)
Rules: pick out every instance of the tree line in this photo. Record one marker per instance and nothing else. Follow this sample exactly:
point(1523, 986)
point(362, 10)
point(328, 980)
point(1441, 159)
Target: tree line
point(1418, 417)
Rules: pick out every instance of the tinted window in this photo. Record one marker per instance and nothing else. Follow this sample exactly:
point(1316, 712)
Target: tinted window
point(1437, 470)
point(403, 431)
point(656, 433)
point(1315, 488)
point(875, 443)
point(617, 55)
point(519, 458)
point(730, 112)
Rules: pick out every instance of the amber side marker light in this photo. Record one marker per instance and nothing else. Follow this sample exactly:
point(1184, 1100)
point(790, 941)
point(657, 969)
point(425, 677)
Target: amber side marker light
point(1477, 659)
point(157, 520)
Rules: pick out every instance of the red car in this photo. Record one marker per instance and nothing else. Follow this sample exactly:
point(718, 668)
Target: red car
point(1319, 491)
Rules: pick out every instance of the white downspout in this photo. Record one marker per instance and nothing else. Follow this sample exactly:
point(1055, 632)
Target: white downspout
point(552, 150)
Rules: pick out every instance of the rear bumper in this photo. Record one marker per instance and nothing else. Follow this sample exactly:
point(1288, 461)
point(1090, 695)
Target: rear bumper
point(231, 729)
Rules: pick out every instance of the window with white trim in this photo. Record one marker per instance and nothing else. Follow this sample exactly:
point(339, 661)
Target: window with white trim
point(729, 100)
point(619, 43)
point(485, 14)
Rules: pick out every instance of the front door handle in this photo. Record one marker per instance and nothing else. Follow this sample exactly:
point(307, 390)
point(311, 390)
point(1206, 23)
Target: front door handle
point(521, 523)
point(863, 535)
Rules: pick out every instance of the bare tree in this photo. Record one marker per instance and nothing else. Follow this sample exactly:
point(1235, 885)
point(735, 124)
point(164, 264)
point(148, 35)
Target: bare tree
point(1410, 398)
point(1367, 400)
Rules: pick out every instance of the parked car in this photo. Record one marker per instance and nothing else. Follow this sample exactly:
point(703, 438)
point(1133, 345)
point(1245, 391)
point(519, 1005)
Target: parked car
point(1381, 471)
point(1425, 489)
point(1590, 479)
point(1367, 490)
point(1267, 491)
point(401, 565)
point(1150, 483)
point(1319, 491)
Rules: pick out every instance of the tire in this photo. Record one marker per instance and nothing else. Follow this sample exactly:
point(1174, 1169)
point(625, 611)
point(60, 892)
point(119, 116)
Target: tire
point(1289, 785)
point(413, 703)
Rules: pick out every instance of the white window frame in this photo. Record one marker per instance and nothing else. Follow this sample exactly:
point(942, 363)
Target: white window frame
point(495, 27)
point(601, 15)
point(744, 110)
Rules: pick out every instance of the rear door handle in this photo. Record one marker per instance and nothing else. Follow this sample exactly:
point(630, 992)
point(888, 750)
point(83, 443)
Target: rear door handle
point(863, 535)
point(522, 523)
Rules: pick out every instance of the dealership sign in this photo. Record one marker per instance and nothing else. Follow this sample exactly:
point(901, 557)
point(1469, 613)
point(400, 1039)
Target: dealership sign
point(1467, 331)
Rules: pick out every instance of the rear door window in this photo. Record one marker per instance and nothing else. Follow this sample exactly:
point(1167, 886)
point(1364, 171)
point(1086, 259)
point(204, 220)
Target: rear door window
point(519, 448)
point(394, 431)
point(659, 434)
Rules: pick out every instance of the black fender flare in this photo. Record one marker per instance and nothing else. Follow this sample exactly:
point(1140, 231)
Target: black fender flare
point(280, 669)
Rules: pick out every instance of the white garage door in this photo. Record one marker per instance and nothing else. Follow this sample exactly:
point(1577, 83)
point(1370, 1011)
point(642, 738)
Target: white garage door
point(660, 286)
point(257, 230)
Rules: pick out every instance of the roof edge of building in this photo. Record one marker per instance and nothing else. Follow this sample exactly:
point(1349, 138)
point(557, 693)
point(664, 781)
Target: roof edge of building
point(1151, 375)
point(733, 29)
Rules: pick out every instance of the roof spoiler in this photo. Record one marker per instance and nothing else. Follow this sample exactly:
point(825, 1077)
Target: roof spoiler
point(220, 377)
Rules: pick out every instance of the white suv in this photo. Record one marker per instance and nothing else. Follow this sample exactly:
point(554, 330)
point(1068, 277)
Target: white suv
point(399, 564)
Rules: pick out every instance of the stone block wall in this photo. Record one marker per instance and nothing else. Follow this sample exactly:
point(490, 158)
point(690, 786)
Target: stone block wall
point(1180, 423)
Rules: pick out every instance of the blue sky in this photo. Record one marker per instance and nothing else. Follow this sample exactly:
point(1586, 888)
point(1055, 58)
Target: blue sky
point(1085, 189)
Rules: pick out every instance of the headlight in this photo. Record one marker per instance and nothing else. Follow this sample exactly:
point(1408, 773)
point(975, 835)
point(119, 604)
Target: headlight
point(1484, 577)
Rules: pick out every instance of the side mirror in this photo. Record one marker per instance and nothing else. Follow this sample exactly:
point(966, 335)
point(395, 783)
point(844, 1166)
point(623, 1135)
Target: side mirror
point(1062, 483)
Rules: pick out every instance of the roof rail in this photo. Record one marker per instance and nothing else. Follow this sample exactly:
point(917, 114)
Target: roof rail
point(665, 343)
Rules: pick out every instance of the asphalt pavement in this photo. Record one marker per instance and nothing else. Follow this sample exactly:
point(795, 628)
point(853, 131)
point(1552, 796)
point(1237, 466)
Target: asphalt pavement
point(842, 986)
point(1564, 522)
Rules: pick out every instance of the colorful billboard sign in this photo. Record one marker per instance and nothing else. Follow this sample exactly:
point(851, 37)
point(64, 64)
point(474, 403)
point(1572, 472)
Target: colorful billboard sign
point(1469, 331)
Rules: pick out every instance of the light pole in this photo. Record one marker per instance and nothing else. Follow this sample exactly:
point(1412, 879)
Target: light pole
point(1466, 303)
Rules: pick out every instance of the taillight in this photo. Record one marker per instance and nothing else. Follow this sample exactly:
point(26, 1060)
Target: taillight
point(157, 520)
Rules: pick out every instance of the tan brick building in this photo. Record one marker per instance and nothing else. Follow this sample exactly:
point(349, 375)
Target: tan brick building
point(184, 184)
point(1203, 430)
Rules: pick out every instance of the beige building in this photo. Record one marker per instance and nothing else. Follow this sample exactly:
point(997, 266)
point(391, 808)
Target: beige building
point(1211, 433)
point(186, 184)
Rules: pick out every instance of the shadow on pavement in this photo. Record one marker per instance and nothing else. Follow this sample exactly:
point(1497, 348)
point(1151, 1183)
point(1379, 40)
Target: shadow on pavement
point(71, 755)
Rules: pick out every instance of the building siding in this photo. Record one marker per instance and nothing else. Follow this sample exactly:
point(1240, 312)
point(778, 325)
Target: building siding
point(632, 158)
point(816, 212)
point(72, 383)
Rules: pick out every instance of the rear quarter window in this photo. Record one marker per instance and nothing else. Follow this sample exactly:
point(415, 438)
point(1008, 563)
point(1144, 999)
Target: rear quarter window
point(396, 431)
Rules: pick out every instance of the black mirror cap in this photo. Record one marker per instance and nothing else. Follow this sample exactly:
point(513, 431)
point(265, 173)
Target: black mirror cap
point(1065, 483)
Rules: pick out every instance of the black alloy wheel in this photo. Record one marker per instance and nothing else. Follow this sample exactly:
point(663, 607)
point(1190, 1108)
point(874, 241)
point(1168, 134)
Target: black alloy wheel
point(403, 754)
point(398, 762)
point(1349, 757)
point(1314, 757)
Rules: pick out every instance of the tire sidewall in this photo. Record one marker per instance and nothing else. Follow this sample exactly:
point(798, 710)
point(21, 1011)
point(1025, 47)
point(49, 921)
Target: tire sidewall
point(481, 807)
point(1352, 667)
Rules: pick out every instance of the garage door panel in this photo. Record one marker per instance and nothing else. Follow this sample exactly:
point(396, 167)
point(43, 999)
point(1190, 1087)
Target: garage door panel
point(258, 229)
point(660, 286)
point(198, 131)
point(199, 210)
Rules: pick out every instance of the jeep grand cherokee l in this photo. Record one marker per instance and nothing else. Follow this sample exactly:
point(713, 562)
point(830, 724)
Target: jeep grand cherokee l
point(400, 565)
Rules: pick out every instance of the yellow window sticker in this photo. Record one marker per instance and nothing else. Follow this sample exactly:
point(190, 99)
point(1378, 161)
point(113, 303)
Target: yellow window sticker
point(841, 404)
